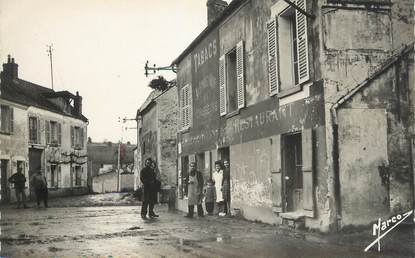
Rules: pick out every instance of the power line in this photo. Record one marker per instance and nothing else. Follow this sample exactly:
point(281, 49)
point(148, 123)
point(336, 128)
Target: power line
point(50, 53)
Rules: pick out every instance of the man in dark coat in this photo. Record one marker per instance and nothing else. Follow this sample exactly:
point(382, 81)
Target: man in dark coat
point(148, 178)
point(40, 186)
point(19, 181)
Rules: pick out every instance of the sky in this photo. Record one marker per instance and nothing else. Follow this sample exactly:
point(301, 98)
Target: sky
point(99, 49)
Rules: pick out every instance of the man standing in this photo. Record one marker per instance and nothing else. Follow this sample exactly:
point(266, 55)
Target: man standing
point(195, 191)
point(41, 187)
point(148, 178)
point(19, 181)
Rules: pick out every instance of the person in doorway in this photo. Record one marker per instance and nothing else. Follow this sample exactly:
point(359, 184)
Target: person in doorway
point(217, 177)
point(194, 181)
point(40, 187)
point(19, 181)
point(226, 187)
point(210, 196)
point(148, 179)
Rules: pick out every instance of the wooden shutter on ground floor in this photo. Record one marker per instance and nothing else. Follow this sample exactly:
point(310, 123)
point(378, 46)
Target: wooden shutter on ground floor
point(308, 181)
point(59, 177)
point(273, 60)
point(276, 176)
point(49, 176)
point(222, 86)
point(240, 71)
point(302, 42)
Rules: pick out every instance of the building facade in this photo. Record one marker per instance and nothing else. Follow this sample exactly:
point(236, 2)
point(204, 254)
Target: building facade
point(276, 87)
point(157, 133)
point(41, 129)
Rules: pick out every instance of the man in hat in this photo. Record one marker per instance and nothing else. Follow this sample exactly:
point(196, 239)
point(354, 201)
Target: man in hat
point(40, 187)
point(149, 179)
point(19, 181)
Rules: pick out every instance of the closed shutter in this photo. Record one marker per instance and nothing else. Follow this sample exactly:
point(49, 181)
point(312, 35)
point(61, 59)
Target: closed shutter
point(47, 131)
point(276, 177)
point(185, 108)
point(59, 133)
point(72, 137)
point(222, 86)
point(190, 106)
point(308, 182)
point(38, 131)
point(81, 131)
point(273, 59)
point(72, 176)
point(59, 177)
point(240, 71)
point(302, 43)
point(81, 177)
point(182, 103)
point(11, 120)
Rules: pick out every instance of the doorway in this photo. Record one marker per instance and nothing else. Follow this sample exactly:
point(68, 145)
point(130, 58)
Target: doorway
point(5, 191)
point(292, 172)
point(35, 162)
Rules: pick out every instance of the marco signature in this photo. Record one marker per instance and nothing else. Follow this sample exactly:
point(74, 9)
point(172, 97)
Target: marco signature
point(387, 225)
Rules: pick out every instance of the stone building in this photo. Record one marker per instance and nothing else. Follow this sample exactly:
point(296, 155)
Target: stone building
point(157, 133)
point(41, 128)
point(312, 103)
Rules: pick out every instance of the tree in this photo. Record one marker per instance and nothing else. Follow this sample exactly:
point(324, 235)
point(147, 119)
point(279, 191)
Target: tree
point(159, 83)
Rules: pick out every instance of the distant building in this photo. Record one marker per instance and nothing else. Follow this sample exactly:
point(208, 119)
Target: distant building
point(41, 128)
point(103, 164)
point(157, 133)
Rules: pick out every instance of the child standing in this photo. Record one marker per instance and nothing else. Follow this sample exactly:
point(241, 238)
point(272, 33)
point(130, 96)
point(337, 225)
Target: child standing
point(210, 196)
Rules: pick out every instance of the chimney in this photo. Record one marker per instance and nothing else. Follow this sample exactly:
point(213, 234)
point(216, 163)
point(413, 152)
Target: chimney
point(10, 69)
point(77, 104)
point(215, 9)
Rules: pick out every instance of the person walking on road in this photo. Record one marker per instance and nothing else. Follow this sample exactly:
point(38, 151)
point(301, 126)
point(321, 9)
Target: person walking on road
point(148, 179)
point(19, 181)
point(194, 181)
point(40, 186)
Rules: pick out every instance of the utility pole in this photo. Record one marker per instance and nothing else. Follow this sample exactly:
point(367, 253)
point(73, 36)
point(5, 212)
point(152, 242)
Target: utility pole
point(50, 51)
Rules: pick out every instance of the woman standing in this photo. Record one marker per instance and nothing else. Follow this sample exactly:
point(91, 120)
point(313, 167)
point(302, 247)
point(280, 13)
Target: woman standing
point(217, 177)
point(226, 186)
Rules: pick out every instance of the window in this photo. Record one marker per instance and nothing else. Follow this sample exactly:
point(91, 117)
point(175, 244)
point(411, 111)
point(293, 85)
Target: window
point(78, 175)
point(77, 137)
point(54, 176)
point(231, 80)
point(53, 131)
point(6, 119)
point(34, 130)
point(287, 44)
point(186, 112)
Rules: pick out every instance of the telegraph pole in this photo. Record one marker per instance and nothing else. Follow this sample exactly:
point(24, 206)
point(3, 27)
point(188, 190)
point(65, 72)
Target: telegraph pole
point(50, 51)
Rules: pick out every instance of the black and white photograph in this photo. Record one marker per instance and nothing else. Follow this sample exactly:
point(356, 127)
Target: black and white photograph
point(207, 128)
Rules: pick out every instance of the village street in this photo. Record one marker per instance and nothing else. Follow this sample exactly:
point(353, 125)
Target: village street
point(109, 225)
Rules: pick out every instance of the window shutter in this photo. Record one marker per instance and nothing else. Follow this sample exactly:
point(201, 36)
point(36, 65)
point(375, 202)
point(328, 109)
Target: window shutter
point(81, 131)
point(81, 177)
point(72, 137)
point(59, 134)
point(72, 176)
point(58, 182)
point(222, 85)
point(37, 130)
point(273, 59)
point(240, 71)
point(308, 184)
point(47, 131)
point(182, 112)
point(276, 176)
point(302, 43)
point(11, 120)
point(48, 175)
point(190, 106)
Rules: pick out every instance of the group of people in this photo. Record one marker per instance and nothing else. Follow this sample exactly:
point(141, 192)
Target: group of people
point(38, 183)
point(216, 193)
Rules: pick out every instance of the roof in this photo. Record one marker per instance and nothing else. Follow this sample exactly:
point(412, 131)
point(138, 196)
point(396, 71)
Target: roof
point(154, 95)
point(30, 94)
point(228, 11)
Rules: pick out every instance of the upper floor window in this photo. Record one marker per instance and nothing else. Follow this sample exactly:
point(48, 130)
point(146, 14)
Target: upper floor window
point(34, 130)
point(287, 48)
point(53, 131)
point(77, 137)
point(186, 111)
point(232, 80)
point(6, 119)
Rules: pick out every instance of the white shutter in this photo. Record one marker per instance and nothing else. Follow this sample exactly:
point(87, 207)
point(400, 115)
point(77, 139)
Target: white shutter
point(240, 80)
point(11, 120)
point(38, 131)
point(302, 43)
point(59, 133)
point(273, 59)
point(222, 85)
point(190, 106)
point(186, 107)
point(47, 131)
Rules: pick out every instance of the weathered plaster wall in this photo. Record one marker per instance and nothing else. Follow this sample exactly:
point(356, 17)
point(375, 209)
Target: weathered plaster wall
point(167, 109)
point(149, 136)
point(108, 183)
point(14, 147)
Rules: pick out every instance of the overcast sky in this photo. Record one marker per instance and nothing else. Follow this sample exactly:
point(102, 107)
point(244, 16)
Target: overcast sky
point(100, 48)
